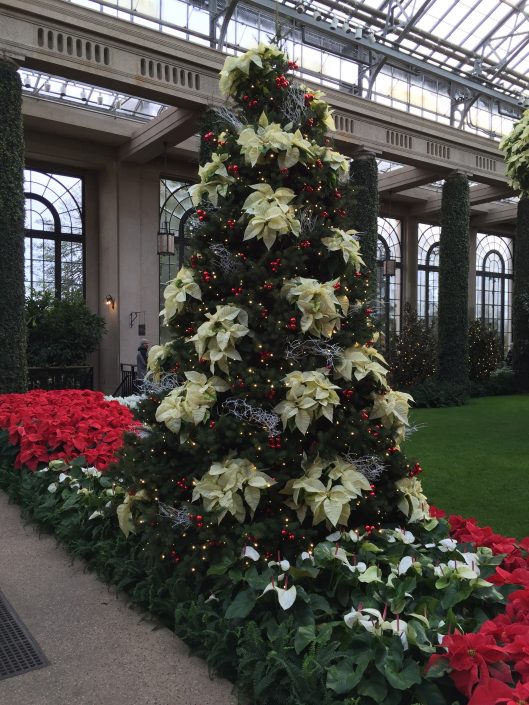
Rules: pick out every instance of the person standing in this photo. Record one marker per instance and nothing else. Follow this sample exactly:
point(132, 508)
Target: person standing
point(141, 361)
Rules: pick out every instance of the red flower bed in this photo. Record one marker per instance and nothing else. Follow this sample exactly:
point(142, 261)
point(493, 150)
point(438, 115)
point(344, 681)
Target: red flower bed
point(492, 666)
point(64, 424)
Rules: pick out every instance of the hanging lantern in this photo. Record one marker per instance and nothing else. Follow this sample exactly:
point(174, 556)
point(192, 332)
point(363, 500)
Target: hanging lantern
point(390, 267)
point(166, 240)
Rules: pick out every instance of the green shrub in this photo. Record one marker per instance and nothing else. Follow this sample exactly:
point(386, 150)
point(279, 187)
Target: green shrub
point(485, 351)
point(414, 359)
point(61, 332)
point(434, 393)
point(500, 383)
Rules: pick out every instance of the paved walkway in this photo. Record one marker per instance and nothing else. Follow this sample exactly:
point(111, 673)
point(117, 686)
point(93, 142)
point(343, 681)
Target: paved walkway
point(100, 651)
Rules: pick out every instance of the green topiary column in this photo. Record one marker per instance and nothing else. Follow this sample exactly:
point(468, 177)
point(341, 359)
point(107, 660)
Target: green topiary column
point(13, 370)
point(364, 210)
point(520, 312)
point(453, 281)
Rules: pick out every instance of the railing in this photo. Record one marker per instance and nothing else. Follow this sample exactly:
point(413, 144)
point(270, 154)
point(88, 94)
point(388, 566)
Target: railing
point(61, 378)
point(127, 386)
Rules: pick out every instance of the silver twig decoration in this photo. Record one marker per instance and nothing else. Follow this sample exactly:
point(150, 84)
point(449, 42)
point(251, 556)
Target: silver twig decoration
point(308, 220)
point(236, 122)
point(298, 349)
point(253, 414)
point(167, 381)
point(179, 518)
point(293, 104)
point(193, 224)
point(371, 467)
point(224, 259)
point(143, 431)
point(378, 307)
point(413, 428)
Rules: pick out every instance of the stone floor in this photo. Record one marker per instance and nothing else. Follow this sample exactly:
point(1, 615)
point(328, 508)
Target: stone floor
point(101, 652)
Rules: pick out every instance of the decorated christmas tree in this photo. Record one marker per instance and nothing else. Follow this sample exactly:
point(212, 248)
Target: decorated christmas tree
point(270, 414)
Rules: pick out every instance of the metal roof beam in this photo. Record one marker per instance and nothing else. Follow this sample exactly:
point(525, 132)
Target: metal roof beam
point(408, 177)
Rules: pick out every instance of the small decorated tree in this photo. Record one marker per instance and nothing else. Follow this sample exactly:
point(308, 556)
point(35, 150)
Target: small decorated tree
point(415, 357)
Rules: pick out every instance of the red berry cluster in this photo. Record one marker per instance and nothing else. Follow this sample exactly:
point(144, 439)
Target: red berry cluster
point(274, 264)
point(274, 442)
point(292, 323)
point(282, 82)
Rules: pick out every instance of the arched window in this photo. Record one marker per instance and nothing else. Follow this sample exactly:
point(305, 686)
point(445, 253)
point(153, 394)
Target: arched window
point(428, 272)
point(54, 233)
point(494, 262)
point(389, 275)
point(176, 209)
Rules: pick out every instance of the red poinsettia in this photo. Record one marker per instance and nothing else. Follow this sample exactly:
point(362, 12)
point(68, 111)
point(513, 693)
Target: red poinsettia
point(437, 513)
point(497, 693)
point(472, 658)
point(64, 424)
point(468, 531)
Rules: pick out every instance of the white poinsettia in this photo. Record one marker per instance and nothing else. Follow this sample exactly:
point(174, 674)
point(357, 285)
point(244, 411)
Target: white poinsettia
point(214, 180)
point(327, 489)
point(358, 361)
point(335, 160)
point(255, 142)
point(319, 304)
point(224, 486)
point(322, 108)
point(155, 358)
point(177, 291)
point(237, 67)
point(309, 396)
point(190, 402)
point(413, 503)
point(215, 339)
point(392, 409)
point(346, 242)
point(270, 214)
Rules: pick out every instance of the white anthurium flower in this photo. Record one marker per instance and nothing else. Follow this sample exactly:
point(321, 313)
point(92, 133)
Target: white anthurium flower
point(392, 409)
point(212, 598)
point(215, 339)
point(84, 491)
point(413, 502)
point(401, 535)
point(355, 536)
point(336, 536)
point(176, 293)
point(322, 309)
point(371, 575)
point(271, 214)
point(95, 514)
point(346, 242)
point(237, 67)
point(305, 556)
point(400, 628)
point(447, 545)
point(53, 465)
point(53, 487)
point(214, 180)
point(404, 565)
point(358, 361)
point(63, 476)
point(224, 485)
point(190, 402)
point(91, 472)
point(283, 564)
point(309, 396)
point(286, 596)
point(250, 552)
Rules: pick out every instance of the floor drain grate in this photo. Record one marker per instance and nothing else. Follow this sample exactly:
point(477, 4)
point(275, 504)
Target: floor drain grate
point(19, 652)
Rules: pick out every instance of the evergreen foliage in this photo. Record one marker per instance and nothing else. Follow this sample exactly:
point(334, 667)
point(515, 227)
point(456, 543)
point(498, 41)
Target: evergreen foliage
point(520, 310)
point(485, 351)
point(13, 372)
point(283, 286)
point(364, 210)
point(515, 146)
point(453, 281)
point(61, 332)
point(414, 359)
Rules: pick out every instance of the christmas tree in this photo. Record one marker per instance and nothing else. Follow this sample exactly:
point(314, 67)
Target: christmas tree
point(270, 419)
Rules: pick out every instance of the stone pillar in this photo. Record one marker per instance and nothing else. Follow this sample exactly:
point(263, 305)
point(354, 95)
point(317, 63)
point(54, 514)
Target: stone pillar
point(453, 281)
point(13, 368)
point(520, 312)
point(364, 210)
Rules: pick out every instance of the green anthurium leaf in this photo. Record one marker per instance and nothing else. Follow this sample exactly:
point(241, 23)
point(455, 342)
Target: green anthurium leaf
point(304, 636)
point(343, 677)
point(402, 679)
point(374, 687)
point(242, 605)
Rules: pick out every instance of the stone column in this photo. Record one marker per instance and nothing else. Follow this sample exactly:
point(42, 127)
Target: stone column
point(453, 281)
point(13, 367)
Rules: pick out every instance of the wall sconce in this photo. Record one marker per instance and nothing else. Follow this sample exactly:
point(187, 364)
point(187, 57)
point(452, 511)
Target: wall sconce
point(390, 267)
point(110, 301)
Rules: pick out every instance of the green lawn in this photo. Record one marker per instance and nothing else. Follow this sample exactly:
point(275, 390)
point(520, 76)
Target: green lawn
point(476, 460)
